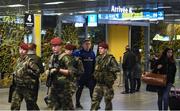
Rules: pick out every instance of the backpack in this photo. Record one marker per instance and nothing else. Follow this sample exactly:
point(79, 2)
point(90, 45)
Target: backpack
point(79, 68)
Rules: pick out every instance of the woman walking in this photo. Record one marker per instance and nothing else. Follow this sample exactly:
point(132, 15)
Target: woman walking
point(166, 65)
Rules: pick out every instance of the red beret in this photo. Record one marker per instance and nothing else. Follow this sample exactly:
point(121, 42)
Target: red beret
point(70, 47)
point(24, 46)
point(56, 41)
point(104, 45)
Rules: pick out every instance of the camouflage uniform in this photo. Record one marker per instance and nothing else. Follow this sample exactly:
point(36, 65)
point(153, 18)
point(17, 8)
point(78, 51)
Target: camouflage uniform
point(25, 79)
point(61, 92)
point(105, 70)
point(78, 71)
point(38, 62)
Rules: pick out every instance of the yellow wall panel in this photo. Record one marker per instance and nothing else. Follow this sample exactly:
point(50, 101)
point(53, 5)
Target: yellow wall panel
point(117, 40)
point(37, 33)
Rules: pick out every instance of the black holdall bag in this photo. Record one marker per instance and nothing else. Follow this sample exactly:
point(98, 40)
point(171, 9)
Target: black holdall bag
point(174, 98)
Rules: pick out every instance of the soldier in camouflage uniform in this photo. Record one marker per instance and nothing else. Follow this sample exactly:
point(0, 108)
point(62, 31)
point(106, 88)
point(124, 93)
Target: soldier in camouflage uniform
point(25, 73)
point(77, 65)
point(61, 69)
point(37, 60)
point(106, 68)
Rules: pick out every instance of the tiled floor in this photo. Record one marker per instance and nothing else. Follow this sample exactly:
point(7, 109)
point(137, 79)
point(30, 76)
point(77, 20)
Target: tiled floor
point(138, 101)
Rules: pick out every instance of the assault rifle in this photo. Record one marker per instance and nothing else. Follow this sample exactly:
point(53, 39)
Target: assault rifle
point(49, 81)
point(50, 75)
point(50, 78)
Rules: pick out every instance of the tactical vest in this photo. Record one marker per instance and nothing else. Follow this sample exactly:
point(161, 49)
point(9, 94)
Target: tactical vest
point(102, 74)
point(22, 78)
point(58, 61)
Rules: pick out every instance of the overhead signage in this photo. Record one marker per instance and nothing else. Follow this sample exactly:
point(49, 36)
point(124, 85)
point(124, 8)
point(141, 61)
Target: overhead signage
point(78, 24)
point(117, 16)
point(29, 20)
point(160, 15)
point(154, 15)
point(92, 20)
point(133, 16)
point(119, 9)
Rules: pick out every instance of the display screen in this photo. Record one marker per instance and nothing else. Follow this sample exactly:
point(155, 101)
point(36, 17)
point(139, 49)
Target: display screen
point(92, 20)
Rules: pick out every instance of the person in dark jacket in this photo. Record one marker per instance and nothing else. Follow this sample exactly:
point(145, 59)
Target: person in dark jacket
point(166, 65)
point(88, 59)
point(129, 61)
point(137, 70)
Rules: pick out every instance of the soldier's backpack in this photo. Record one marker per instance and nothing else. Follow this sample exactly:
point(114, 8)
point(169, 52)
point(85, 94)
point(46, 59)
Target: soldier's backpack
point(78, 65)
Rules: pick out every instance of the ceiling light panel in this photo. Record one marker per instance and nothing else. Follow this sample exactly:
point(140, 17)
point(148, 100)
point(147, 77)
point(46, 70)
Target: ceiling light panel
point(16, 5)
point(53, 3)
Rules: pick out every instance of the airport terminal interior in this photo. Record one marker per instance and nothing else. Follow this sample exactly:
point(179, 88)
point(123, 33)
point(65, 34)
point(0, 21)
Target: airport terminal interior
point(146, 26)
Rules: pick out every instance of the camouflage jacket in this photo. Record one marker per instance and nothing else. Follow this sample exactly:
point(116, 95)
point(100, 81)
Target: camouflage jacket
point(63, 61)
point(79, 68)
point(105, 69)
point(26, 71)
point(37, 60)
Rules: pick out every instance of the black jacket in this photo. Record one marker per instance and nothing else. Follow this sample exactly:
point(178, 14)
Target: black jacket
point(129, 61)
point(168, 68)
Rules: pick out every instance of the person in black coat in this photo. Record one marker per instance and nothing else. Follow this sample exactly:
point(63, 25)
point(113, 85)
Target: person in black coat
point(166, 65)
point(129, 62)
point(137, 70)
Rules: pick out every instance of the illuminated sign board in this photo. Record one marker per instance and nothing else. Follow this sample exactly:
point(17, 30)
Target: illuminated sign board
point(133, 16)
point(78, 24)
point(160, 15)
point(119, 9)
point(116, 16)
point(29, 20)
point(127, 13)
point(92, 20)
point(154, 15)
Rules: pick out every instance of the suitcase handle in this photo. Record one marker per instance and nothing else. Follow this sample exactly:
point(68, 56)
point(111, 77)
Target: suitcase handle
point(175, 91)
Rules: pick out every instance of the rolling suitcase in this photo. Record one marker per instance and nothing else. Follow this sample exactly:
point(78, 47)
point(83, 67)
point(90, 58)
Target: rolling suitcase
point(174, 99)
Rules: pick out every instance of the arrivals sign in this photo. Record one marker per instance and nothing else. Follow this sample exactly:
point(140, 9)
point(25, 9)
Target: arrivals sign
point(133, 16)
point(118, 9)
point(29, 20)
point(125, 13)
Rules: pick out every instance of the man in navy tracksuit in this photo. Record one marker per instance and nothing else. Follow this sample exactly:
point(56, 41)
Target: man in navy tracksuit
point(88, 59)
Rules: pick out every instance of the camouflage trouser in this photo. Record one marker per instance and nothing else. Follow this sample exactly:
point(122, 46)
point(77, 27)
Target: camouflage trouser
point(73, 87)
point(21, 93)
point(61, 99)
point(99, 92)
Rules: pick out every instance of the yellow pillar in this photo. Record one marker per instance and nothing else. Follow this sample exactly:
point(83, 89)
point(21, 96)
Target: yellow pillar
point(117, 40)
point(37, 33)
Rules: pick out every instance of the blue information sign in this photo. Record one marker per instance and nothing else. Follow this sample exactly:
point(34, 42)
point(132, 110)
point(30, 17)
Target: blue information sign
point(92, 20)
